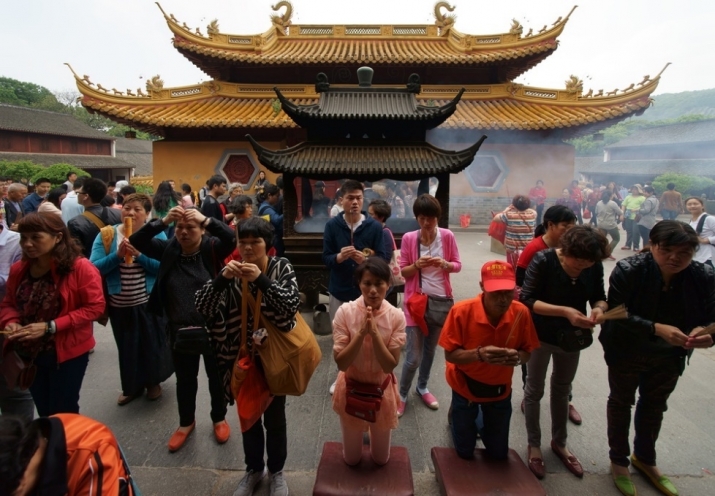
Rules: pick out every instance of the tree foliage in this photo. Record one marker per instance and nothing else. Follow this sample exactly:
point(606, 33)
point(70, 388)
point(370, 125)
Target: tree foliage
point(19, 171)
point(24, 94)
point(57, 173)
point(687, 185)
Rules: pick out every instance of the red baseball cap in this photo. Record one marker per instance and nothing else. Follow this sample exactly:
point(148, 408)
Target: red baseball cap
point(498, 276)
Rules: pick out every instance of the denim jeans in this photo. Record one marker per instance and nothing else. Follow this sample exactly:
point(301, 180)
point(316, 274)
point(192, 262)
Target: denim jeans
point(420, 354)
point(56, 386)
point(645, 234)
point(655, 379)
point(633, 235)
point(494, 433)
point(669, 214)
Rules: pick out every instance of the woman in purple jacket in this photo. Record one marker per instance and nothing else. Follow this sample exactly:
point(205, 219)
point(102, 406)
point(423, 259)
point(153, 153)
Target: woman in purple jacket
point(427, 257)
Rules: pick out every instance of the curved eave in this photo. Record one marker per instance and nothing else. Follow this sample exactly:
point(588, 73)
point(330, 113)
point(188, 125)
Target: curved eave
point(365, 161)
point(429, 116)
point(496, 107)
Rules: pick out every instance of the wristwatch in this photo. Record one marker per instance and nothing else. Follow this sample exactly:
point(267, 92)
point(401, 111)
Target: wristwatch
point(50, 327)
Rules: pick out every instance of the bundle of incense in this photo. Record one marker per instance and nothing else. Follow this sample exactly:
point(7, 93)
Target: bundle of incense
point(705, 330)
point(5, 331)
point(514, 325)
point(616, 313)
point(128, 232)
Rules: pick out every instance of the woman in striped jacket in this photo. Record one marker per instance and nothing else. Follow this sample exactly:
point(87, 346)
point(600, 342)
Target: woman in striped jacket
point(520, 222)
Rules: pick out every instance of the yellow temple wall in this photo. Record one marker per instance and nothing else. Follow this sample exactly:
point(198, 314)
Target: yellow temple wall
point(194, 162)
point(525, 164)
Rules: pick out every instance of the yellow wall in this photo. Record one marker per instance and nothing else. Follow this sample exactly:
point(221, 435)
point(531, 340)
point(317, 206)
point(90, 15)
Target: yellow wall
point(194, 162)
point(553, 164)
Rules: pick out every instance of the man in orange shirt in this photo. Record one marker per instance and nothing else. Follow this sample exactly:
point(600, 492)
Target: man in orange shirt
point(484, 339)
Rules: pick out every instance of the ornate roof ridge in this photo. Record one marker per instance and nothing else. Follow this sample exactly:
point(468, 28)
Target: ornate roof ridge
point(157, 94)
point(283, 29)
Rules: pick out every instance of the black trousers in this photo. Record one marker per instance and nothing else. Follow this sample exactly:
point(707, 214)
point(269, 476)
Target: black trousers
point(56, 386)
point(275, 442)
point(654, 378)
point(187, 385)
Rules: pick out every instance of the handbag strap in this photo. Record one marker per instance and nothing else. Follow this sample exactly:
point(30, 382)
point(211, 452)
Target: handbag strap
point(246, 298)
point(418, 257)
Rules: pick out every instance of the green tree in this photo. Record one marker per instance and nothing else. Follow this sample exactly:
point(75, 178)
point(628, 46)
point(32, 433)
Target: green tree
point(17, 92)
point(687, 185)
point(57, 173)
point(19, 171)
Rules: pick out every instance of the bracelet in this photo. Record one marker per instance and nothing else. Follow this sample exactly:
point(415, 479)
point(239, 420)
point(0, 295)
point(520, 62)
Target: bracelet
point(479, 354)
point(445, 265)
point(47, 327)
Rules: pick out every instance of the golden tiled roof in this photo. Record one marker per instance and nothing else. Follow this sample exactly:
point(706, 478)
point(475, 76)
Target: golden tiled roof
point(418, 45)
point(507, 106)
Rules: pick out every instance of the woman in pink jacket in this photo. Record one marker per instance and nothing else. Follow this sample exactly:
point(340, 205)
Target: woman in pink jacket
point(427, 257)
point(53, 295)
point(368, 334)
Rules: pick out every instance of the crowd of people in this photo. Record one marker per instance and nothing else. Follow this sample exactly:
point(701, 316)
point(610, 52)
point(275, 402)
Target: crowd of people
point(184, 276)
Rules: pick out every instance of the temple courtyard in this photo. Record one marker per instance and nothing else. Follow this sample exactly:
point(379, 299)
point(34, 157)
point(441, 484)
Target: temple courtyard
point(686, 447)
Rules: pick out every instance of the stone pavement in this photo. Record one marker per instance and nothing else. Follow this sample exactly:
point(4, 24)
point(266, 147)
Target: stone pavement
point(686, 447)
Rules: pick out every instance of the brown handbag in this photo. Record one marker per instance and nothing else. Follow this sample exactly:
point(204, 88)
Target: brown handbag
point(16, 371)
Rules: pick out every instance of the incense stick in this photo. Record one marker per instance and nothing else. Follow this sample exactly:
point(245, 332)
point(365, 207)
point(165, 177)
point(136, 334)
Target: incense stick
point(705, 330)
point(616, 313)
point(513, 327)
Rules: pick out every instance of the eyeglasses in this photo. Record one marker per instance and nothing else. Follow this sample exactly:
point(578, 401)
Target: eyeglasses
point(81, 193)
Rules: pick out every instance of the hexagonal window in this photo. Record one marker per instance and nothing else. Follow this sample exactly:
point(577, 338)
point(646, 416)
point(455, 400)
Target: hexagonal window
point(487, 172)
point(238, 166)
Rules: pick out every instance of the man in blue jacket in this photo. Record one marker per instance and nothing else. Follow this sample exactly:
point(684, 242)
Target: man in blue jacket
point(346, 239)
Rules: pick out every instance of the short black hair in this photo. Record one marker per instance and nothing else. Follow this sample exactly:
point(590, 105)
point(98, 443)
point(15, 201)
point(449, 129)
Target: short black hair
point(70, 173)
point(77, 184)
point(217, 179)
point(427, 205)
point(112, 184)
point(585, 243)
point(375, 266)
point(256, 227)
point(239, 204)
point(279, 182)
point(351, 185)
point(673, 233)
point(127, 190)
point(382, 209)
point(271, 190)
point(41, 180)
point(521, 202)
point(186, 188)
point(670, 186)
point(95, 189)
point(555, 215)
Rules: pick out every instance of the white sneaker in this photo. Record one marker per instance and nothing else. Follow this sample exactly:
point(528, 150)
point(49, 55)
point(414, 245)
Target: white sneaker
point(332, 387)
point(278, 485)
point(249, 482)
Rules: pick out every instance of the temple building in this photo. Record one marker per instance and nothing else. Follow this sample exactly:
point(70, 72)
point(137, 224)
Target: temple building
point(204, 126)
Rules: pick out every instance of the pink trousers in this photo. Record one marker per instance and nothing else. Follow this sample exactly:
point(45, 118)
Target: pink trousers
point(352, 444)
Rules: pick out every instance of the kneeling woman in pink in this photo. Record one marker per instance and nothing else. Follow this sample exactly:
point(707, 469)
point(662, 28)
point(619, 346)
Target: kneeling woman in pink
point(368, 334)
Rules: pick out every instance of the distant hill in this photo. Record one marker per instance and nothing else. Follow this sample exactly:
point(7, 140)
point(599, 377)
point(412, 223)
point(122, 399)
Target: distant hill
point(674, 105)
point(668, 108)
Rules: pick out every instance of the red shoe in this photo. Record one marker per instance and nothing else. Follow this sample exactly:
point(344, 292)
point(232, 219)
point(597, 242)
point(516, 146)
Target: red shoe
point(179, 438)
point(625, 248)
point(400, 408)
point(222, 432)
point(574, 416)
point(611, 257)
point(536, 465)
point(429, 400)
point(570, 462)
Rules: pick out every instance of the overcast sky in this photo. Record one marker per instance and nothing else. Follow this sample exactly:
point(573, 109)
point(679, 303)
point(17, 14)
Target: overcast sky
point(119, 43)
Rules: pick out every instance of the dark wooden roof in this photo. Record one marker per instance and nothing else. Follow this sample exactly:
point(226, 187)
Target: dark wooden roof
point(31, 120)
point(136, 152)
point(343, 105)
point(81, 161)
point(681, 133)
point(365, 160)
